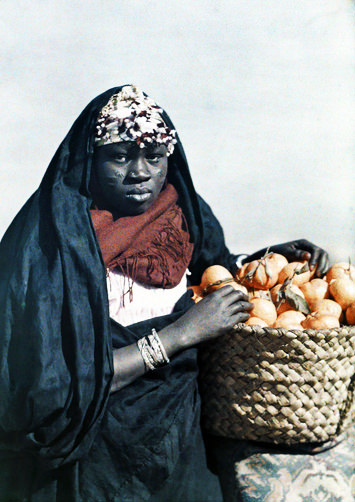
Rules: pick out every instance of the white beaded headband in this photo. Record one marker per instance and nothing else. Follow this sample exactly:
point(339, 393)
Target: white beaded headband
point(129, 115)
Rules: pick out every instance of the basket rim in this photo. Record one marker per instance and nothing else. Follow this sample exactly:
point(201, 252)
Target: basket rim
point(283, 331)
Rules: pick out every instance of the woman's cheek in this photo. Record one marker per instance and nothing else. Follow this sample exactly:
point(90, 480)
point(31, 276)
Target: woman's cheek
point(162, 172)
point(117, 179)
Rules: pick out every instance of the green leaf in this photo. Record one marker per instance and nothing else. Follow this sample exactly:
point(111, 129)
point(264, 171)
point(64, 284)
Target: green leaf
point(296, 301)
point(249, 276)
point(302, 270)
point(267, 269)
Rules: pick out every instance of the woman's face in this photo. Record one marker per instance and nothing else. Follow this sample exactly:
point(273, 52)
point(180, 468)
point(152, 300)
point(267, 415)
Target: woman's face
point(127, 178)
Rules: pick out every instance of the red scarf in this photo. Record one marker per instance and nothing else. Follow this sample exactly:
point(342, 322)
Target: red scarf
point(152, 248)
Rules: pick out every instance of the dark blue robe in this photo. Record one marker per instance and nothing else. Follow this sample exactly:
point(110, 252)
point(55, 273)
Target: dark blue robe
point(63, 436)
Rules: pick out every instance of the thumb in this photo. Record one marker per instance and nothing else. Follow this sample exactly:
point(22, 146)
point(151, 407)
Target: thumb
point(305, 255)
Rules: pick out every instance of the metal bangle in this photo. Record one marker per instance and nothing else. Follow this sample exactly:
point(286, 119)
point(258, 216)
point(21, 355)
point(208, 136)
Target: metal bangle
point(158, 347)
point(152, 351)
point(143, 347)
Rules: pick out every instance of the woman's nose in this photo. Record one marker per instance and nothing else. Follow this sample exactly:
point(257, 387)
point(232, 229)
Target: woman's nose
point(138, 170)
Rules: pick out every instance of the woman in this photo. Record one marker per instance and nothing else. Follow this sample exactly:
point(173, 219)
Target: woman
point(99, 398)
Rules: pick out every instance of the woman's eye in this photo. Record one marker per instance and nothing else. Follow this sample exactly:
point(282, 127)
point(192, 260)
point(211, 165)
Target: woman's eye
point(120, 158)
point(154, 157)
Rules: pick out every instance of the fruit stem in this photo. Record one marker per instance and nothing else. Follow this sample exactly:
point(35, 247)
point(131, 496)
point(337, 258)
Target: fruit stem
point(217, 283)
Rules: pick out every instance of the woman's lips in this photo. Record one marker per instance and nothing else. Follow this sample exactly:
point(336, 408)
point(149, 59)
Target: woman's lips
point(139, 195)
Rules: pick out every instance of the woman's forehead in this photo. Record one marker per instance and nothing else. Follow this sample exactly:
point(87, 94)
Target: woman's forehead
point(127, 146)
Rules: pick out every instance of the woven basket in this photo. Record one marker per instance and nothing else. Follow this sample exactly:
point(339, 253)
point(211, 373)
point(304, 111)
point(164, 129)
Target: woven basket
point(279, 385)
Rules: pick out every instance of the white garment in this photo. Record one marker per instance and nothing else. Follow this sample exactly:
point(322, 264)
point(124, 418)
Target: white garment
point(131, 301)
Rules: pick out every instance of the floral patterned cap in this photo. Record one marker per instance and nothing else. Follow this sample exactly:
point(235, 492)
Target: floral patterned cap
point(129, 115)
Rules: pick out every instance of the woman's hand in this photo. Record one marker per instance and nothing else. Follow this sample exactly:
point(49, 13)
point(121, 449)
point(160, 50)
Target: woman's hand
point(299, 250)
point(304, 250)
point(213, 316)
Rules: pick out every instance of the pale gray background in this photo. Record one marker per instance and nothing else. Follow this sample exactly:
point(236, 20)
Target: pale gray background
point(261, 93)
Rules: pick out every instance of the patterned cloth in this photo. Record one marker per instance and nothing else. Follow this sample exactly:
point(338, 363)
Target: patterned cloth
point(130, 115)
point(250, 472)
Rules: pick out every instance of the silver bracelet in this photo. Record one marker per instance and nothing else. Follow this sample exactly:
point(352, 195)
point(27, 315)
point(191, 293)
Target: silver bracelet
point(152, 351)
point(143, 347)
point(158, 347)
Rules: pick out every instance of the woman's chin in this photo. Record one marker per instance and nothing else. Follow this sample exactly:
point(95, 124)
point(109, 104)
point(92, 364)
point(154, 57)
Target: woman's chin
point(133, 209)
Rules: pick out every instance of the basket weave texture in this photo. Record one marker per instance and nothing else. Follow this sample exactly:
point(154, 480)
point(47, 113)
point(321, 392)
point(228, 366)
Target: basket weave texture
point(279, 385)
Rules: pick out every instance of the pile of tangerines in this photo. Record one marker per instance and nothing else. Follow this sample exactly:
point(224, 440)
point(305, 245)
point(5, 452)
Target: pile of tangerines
point(285, 295)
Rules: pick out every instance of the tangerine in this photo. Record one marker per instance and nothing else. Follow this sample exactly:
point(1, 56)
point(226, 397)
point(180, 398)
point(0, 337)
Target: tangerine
point(197, 293)
point(350, 314)
point(213, 275)
point(313, 321)
point(289, 272)
point(314, 290)
point(340, 270)
point(263, 309)
point(290, 320)
point(256, 321)
point(327, 307)
point(261, 274)
point(343, 291)
point(278, 260)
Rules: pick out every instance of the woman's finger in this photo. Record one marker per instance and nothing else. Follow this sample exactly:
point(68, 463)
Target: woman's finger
point(315, 255)
point(305, 255)
point(241, 306)
point(323, 264)
point(313, 261)
point(229, 293)
point(240, 317)
point(320, 259)
point(235, 308)
point(300, 255)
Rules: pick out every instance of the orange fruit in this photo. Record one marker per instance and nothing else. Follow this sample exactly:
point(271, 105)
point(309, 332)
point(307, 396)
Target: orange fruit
point(241, 272)
point(284, 305)
point(343, 291)
point(350, 314)
point(261, 274)
point(327, 307)
point(314, 290)
point(288, 272)
point(238, 287)
point(256, 321)
point(213, 275)
point(278, 260)
point(313, 321)
point(290, 320)
point(197, 293)
point(263, 309)
point(340, 270)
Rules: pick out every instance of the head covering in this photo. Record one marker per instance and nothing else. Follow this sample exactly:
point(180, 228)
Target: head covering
point(130, 115)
